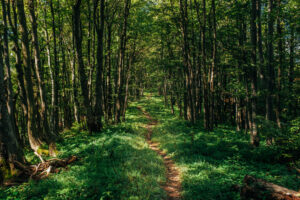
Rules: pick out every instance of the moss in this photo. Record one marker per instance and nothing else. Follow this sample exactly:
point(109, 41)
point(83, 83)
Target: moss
point(43, 151)
point(5, 172)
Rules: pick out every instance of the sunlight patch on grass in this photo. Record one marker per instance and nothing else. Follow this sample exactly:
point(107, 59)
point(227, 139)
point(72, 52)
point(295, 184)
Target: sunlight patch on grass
point(212, 162)
point(113, 164)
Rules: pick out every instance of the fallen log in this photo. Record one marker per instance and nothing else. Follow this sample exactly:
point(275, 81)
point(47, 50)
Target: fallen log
point(258, 189)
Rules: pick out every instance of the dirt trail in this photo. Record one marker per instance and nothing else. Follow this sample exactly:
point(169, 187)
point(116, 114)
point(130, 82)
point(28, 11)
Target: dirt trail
point(173, 183)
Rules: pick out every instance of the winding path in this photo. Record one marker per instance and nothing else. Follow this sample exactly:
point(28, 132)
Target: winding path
point(173, 183)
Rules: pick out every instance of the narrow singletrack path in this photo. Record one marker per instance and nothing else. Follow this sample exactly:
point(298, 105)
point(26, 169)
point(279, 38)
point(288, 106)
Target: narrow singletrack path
point(173, 184)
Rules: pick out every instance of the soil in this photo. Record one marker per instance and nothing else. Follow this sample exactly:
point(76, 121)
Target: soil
point(172, 186)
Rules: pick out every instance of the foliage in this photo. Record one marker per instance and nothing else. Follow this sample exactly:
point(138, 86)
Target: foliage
point(114, 164)
point(213, 162)
point(289, 142)
point(268, 128)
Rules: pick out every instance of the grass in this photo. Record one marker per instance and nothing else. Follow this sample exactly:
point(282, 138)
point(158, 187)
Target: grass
point(212, 162)
point(117, 163)
point(114, 164)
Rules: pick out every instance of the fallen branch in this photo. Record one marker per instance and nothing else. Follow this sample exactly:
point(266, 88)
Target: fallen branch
point(43, 169)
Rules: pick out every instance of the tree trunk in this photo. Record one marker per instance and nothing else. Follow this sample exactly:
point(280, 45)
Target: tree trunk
point(270, 115)
point(99, 78)
point(205, 72)
point(55, 102)
point(187, 62)
point(213, 66)
point(81, 70)
point(9, 147)
point(108, 76)
point(7, 75)
point(33, 135)
point(50, 139)
point(280, 67)
point(291, 74)
point(17, 50)
point(120, 70)
point(254, 133)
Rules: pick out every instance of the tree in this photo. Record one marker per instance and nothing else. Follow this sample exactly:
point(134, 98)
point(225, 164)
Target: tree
point(81, 70)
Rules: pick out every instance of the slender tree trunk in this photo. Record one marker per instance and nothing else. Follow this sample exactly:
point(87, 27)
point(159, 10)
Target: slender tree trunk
point(254, 132)
point(270, 115)
point(7, 75)
point(200, 71)
point(241, 64)
point(259, 40)
point(33, 135)
point(187, 62)
point(291, 74)
point(131, 61)
point(10, 150)
point(120, 70)
point(81, 70)
point(204, 79)
point(108, 76)
point(55, 74)
point(99, 78)
point(213, 67)
point(280, 67)
point(74, 89)
point(17, 50)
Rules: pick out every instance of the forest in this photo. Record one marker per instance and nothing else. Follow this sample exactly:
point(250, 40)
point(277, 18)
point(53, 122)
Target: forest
point(150, 99)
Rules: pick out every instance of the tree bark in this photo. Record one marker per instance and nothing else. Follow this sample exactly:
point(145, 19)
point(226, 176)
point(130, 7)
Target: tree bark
point(270, 115)
point(99, 73)
point(7, 75)
point(120, 70)
point(81, 70)
point(49, 138)
point(187, 62)
point(33, 135)
point(55, 102)
point(280, 66)
point(254, 132)
point(17, 50)
point(9, 147)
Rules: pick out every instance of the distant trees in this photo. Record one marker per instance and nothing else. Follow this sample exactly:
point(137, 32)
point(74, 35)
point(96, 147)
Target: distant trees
point(233, 57)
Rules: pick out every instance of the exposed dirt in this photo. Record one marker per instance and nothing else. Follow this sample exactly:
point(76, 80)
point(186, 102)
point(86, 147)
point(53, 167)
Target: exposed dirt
point(173, 183)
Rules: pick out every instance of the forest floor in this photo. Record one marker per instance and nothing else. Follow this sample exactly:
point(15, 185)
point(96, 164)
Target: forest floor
point(172, 186)
point(119, 163)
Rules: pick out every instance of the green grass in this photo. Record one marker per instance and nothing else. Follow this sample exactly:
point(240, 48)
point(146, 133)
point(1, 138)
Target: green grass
point(117, 163)
point(212, 162)
point(114, 164)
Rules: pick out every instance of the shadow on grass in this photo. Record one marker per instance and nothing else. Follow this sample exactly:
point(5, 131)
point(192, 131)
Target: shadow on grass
point(114, 164)
point(212, 162)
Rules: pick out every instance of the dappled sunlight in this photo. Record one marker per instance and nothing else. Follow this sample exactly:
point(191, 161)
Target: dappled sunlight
point(114, 164)
point(213, 162)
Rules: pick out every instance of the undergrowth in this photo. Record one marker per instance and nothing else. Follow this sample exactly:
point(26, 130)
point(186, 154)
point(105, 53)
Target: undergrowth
point(213, 162)
point(117, 163)
point(113, 164)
